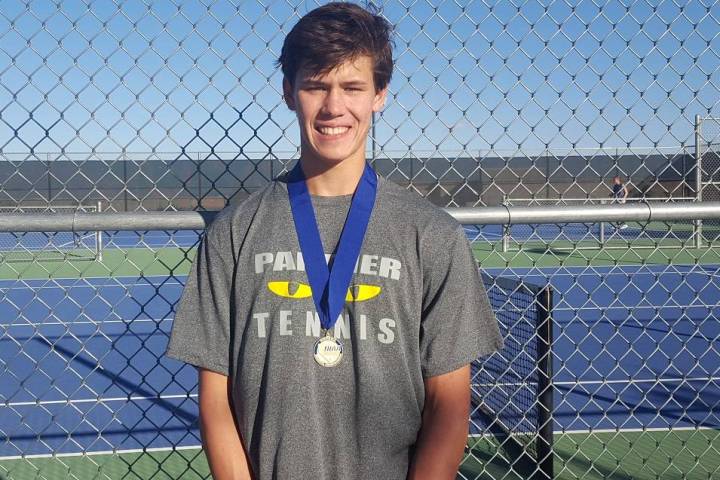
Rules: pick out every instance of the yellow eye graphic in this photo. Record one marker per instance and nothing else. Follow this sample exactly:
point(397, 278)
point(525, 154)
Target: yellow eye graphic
point(297, 290)
point(290, 289)
point(360, 293)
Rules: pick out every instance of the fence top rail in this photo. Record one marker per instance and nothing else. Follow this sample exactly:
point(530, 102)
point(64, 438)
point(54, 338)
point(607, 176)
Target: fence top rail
point(595, 200)
point(140, 221)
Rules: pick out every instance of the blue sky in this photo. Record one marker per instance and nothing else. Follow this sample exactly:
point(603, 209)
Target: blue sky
point(200, 76)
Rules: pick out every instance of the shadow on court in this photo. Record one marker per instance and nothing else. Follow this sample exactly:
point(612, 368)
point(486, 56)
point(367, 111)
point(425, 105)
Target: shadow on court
point(116, 378)
point(496, 454)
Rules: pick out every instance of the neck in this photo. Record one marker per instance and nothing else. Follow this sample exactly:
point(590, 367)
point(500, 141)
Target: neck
point(334, 180)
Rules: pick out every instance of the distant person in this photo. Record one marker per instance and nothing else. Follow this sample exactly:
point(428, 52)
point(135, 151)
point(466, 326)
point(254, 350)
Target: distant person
point(333, 315)
point(619, 195)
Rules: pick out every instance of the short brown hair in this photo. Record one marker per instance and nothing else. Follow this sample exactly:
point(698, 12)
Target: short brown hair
point(334, 34)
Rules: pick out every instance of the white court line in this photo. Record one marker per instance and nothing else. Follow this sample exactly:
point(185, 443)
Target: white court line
point(96, 400)
point(646, 306)
point(618, 430)
point(118, 279)
point(604, 270)
point(478, 235)
point(103, 452)
point(605, 382)
point(633, 430)
point(86, 322)
point(80, 284)
point(642, 380)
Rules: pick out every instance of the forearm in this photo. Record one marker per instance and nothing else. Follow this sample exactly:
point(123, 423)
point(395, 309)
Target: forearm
point(442, 438)
point(220, 437)
point(440, 446)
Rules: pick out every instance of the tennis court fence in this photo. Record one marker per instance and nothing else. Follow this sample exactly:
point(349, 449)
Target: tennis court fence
point(611, 364)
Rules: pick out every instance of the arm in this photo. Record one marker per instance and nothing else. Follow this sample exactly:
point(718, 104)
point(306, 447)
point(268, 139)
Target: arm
point(444, 431)
point(220, 437)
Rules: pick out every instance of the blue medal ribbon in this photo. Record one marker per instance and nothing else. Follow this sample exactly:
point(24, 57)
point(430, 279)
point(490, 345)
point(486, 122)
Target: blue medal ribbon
point(330, 284)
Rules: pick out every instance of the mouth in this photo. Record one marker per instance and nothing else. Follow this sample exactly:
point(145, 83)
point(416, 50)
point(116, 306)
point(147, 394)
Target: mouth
point(332, 132)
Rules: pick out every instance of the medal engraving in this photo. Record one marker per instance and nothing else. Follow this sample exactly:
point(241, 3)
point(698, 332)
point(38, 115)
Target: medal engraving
point(328, 351)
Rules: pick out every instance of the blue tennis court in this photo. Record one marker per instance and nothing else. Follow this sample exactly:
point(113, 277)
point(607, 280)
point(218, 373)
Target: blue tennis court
point(636, 347)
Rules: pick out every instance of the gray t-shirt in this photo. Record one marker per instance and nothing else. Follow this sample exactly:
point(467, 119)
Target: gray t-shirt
point(416, 308)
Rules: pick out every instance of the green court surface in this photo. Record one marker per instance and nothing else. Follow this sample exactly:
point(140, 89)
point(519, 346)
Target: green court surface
point(129, 262)
point(133, 262)
point(490, 255)
point(649, 455)
point(187, 464)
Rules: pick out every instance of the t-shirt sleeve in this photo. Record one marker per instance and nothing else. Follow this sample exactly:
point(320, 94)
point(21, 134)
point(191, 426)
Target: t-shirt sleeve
point(458, 324)
point(201, 328)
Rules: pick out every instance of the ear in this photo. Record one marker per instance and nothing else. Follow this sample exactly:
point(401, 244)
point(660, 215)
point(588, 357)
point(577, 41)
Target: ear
point(288, 94)
point(380, 98)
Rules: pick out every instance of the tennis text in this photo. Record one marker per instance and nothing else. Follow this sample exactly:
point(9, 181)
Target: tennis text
point(309, 325)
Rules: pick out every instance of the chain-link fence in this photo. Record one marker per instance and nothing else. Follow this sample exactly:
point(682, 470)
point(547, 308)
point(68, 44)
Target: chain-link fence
point(171, 106)
point(708, 154)
point(610, 366)
point(165, 106)
point(153, 181)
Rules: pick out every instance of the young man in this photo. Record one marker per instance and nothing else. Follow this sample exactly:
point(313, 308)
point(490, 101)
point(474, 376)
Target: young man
point(619, 190)
point(619, 195)
point(333, 314)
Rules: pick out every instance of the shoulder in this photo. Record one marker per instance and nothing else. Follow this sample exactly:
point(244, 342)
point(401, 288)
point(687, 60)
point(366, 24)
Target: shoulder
point(236, 218)
point(415, 211)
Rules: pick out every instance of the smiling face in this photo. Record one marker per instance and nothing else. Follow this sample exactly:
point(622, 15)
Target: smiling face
point(334, 111)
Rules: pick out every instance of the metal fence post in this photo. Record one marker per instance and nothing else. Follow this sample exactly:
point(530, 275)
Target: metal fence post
point(698, 177)
point(546, 400)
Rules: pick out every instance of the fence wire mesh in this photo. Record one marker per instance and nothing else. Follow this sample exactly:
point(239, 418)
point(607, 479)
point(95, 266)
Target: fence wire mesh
point(169, 106)
point(631, 363)
point(708, 141)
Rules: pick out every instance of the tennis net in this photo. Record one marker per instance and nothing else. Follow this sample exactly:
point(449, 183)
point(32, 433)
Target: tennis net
point(511, 389)
point(30, 246)
point(710, 174)
point(607, 235)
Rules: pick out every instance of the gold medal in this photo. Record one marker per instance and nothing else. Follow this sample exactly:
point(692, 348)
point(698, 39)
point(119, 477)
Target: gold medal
point(328, 351)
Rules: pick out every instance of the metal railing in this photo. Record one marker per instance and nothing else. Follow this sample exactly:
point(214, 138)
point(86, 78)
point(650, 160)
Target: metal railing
point(638, 212)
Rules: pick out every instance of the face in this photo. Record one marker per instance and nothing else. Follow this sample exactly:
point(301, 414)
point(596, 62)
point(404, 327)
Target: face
point(335, 110)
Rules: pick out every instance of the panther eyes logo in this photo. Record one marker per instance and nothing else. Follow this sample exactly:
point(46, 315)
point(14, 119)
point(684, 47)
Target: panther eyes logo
point(298, 290)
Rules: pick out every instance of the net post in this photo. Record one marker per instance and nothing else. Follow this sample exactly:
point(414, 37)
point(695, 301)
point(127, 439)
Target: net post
point(698, 177)
point(99, 237)
point(544, 301)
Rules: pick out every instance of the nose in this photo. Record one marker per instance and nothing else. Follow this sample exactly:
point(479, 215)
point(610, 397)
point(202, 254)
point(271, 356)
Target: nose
point(334, 102)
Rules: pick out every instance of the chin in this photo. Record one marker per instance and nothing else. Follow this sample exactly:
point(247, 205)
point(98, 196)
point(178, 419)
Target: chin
point(333, 156)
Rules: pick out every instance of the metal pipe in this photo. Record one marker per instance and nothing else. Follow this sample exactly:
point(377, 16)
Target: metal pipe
point(638, 212)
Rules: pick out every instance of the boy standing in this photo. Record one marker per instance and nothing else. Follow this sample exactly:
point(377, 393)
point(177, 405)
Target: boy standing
point(333, 315)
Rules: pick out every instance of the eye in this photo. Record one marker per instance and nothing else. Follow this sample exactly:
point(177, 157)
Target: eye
point(360, 293)
point(290, 289)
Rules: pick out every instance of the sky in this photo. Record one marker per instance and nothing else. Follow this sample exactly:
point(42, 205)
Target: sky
point(470, 77)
